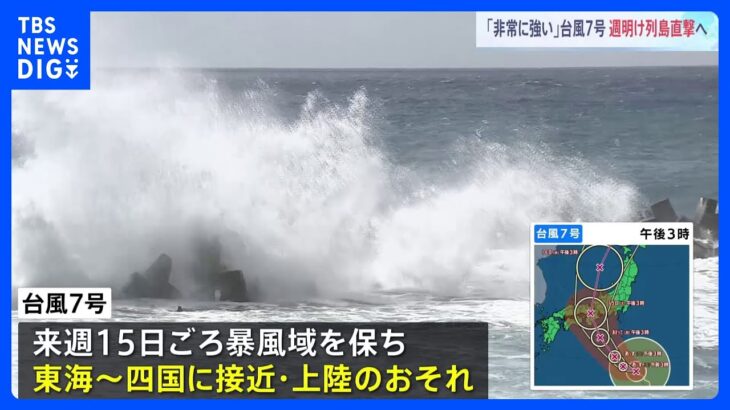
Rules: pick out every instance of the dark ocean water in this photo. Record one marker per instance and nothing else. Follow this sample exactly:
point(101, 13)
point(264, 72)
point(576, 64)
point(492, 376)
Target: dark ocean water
point(656, 128)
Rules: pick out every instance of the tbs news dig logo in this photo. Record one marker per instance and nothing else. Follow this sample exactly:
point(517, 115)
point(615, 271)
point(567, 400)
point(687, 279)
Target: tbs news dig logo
point(43, 53)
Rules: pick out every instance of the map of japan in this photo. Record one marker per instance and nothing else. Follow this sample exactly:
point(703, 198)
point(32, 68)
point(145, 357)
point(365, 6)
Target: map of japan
point(612, 316)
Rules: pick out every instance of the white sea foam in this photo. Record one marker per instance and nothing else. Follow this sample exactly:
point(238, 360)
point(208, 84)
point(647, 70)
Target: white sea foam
point(706, 303)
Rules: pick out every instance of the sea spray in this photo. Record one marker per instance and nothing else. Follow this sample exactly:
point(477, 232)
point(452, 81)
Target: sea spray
point(152, 162)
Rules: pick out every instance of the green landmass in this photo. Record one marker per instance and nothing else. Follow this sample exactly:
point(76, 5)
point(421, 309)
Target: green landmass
point(623, 290)
point(552, 324)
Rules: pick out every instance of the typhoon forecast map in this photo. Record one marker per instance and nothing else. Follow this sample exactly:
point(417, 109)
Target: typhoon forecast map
point(612, 316)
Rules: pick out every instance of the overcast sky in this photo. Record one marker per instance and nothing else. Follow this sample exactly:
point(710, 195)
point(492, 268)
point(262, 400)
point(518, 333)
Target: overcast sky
point(330, 40)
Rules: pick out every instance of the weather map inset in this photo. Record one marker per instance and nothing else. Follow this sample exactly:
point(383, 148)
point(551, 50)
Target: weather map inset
point(612, 316)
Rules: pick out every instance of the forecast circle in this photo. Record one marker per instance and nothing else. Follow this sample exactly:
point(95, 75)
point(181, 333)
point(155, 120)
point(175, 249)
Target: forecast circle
point(609, 250)
point(643, 368)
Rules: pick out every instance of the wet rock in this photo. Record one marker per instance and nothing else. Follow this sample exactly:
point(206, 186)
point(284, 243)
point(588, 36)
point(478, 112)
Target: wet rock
point(206, 267)
point(663, 211)
point(136, 287)
point(705, 248)
point(154, 283)
point(215, 282)
point(158, 274)
point(706, 223)
point(232, 286)
point(707, 218)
